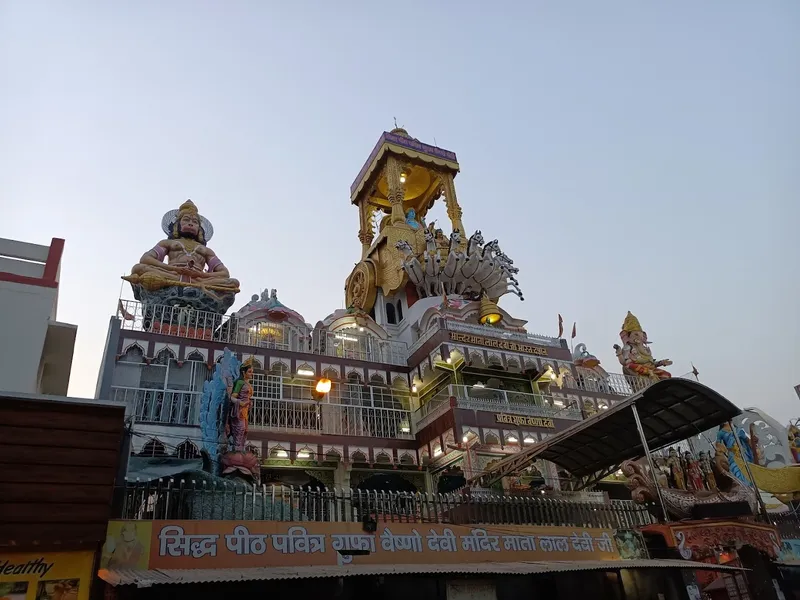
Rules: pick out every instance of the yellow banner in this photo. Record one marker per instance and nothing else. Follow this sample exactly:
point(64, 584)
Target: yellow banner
point(46, 576)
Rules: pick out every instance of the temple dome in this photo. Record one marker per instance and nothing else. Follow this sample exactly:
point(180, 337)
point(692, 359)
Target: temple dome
point(268, 307)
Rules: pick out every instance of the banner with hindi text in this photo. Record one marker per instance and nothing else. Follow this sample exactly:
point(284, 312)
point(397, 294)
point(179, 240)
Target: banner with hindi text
point(248, 544)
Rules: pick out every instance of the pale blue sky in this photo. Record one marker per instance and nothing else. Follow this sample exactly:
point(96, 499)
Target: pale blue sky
point(629, 155)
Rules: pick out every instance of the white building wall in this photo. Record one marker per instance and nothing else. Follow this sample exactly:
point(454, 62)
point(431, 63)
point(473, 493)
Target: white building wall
point(24, 315)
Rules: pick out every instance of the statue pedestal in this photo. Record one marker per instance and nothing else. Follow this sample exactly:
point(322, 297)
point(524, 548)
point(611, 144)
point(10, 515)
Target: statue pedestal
point(184, 297)
point(242, 464)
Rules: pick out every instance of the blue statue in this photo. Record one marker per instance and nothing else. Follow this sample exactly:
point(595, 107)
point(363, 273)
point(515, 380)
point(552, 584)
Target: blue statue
point(214, 406)
point(411, 219)
point(727, 438)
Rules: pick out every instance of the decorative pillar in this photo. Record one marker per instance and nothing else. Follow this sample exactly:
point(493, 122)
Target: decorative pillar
point(365, 234)
point(396, 189)
point(453, 209)
point(341, 476)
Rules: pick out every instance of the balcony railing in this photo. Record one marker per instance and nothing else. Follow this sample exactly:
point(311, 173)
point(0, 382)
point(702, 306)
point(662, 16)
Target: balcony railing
point(196, 500)
point(280, 405)
point(615, 384)
point(493, 400)
point(170, 407)
point(211, 327)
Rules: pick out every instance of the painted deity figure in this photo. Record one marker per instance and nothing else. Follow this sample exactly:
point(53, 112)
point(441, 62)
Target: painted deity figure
point(726, 439)
point(794, 442)
point(411, 219)
point(190, 264)
point(238, 417)
point(708, 473)
point(694, 474)
point(676, 469)
point(635, 356)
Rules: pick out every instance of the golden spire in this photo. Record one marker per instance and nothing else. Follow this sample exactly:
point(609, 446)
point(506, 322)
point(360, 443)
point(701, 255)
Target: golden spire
point(631, 324)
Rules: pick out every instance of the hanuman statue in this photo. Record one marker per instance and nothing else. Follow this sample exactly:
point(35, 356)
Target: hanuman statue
point(193, 274)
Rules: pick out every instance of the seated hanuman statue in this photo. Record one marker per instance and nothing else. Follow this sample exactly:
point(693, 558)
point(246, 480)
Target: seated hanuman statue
point(193, 274)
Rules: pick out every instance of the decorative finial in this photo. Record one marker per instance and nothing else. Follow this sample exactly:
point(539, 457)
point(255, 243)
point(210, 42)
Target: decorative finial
point(395, 122)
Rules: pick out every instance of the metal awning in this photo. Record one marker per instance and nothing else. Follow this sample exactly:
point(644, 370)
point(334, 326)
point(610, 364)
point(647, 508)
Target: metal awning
point(142, 578)
point(670, 410)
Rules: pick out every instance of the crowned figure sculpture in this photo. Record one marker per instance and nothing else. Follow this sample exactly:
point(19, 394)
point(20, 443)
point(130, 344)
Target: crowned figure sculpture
point(193, 275)
point(635, 355)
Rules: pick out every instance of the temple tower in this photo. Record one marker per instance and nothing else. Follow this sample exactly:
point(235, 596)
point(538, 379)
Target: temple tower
point(398, 184)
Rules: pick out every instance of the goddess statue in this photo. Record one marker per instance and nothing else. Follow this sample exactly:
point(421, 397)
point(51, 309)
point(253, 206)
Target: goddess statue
point(694, 474)
point(635, 355)
point(240, 407)
point(726, 442)
point(193, 274)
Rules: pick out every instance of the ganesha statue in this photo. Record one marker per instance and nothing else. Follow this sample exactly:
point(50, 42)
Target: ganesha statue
point(635, 356)
point(193, 275)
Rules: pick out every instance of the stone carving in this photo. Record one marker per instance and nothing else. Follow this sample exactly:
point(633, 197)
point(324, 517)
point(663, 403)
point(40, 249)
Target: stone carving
point(479, 270)
point(679, 503)
point(193, 275)
point(635, 356)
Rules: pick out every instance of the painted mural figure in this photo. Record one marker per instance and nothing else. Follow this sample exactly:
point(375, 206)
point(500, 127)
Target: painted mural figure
point(238, 418)
point(190, 265)
point(635, 356)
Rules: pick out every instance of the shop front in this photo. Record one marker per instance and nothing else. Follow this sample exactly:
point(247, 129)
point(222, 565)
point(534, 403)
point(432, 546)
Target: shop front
point(46, 576)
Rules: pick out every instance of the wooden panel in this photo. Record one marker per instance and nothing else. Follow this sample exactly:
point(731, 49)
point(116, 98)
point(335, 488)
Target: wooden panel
point(50, 532)
point(30, 512)
point(60, 438)
point(36, 455)
point(49, 493)
point(17, 473)
point(23, 413)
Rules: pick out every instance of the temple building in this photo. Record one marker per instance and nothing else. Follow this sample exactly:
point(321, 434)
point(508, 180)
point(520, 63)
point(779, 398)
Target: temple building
point(431, 380)
point(400, 431)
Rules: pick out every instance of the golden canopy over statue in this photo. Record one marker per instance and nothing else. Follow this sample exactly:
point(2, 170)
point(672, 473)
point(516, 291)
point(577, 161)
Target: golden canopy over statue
point(635, 355)
point(193, 274)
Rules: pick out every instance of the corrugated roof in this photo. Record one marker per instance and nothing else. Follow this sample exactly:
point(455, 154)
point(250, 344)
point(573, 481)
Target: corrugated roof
point(670, 410)
point(142, 578)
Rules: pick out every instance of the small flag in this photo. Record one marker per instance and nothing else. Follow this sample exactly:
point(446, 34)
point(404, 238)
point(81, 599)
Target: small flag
point(574, 330)
point(560, 326)
point(125, 314)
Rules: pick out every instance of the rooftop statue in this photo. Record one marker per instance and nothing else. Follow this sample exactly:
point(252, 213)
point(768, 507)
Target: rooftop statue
point(480, 270)
point(635, 355)
point(193, 275)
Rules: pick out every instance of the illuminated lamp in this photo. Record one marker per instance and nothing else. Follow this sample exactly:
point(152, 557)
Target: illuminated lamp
point(322, 387)
point(490, 314)
point(403, 176)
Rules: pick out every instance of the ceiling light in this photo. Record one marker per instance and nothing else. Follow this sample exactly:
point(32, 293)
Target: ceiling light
point(512, 439)
point(305, 372)
point(303, 454)
point(282, 454)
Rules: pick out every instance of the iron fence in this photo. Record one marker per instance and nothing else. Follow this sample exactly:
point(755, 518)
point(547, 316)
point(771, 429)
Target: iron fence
point(203, 499)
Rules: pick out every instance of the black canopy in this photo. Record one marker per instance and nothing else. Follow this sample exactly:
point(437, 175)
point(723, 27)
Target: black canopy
point(670, 410)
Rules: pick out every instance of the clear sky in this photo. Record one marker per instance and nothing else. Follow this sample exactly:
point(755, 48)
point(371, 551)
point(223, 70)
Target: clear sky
point(634, 156)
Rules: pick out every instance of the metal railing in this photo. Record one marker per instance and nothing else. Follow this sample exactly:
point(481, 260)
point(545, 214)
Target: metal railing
point(170, 407)
point(616, 383)
point(171, 500)
point(493, 400)
point(281, 405)
point(212, 327)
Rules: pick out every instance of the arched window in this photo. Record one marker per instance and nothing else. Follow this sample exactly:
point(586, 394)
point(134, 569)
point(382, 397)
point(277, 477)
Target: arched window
point(399, 311)
point(391, 317)
point(187, 450)
point(154, 375)
point(153, 448)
